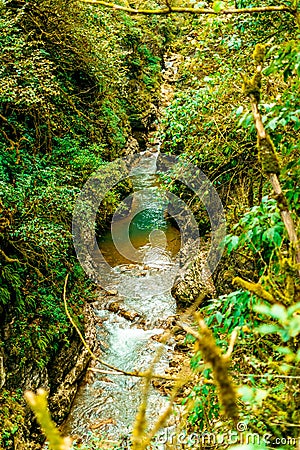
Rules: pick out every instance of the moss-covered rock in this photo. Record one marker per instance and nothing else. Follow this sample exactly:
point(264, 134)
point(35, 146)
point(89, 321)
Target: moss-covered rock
point(193, 281)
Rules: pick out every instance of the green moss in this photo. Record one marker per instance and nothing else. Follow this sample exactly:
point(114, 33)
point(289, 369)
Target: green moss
point(252, 86)
point(12, 418)
point(267, 156)
point(259, 54)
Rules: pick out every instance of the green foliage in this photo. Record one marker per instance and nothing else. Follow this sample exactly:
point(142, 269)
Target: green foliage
point(288, 321)
point(291, 176)
point(74, 80)
point(285, 61)
point(261, 230)
point(205, 408)
point(208, 124)
point(227, 312)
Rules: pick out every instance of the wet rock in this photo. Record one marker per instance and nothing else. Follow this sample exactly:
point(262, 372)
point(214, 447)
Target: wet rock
point(141, 274)
point(147, 153)
point(180, 337)
point(181, 347)
point(101, 423)
point(76, 439)
point(70, 370)
point(176, 330)
point(193, 280)
point(140, 323)
point(144, 121)
point(132, 146)
point(112, 292)
point(60, 402)
point(150, 116)
point(60, 377)
point(118, 309)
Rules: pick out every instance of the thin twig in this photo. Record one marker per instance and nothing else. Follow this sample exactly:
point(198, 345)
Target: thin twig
point(133, 374)
point(296, 425)
point(232, 341)
point(291, 377)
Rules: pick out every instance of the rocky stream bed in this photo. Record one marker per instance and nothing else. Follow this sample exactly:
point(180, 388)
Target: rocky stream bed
point(131, 320)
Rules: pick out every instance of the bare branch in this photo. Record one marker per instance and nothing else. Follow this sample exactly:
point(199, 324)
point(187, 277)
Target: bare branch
point(232, 341)
point(7, 258)
point(254, 288)
point(268, 375)
point(133, 374)
point(177, 10)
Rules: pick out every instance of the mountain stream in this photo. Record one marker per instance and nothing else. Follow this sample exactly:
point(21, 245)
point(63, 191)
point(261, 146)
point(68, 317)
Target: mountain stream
point(107, 405)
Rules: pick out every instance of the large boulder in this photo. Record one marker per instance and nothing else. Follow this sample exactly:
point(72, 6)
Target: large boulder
point(194, 279)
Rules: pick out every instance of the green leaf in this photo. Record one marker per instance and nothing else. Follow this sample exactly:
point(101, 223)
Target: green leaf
point(285, 351)
point(262, 309)
point(272, 235)
point(232, 244)
point(217, 6)
point(279, 312)
point(268, 329)
point(294, 308)
point(273, 123)
point(246, 393)
point(277, 238)
point(219, 317)
point(239, 111)
point(294, 326)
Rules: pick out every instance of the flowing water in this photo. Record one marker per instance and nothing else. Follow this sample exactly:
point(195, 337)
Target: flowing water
point(142, 248)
